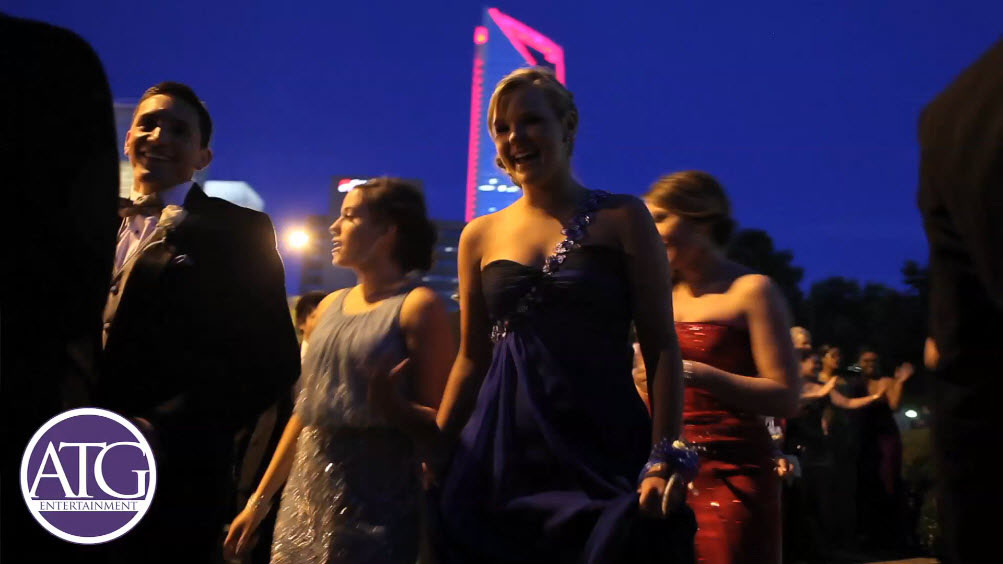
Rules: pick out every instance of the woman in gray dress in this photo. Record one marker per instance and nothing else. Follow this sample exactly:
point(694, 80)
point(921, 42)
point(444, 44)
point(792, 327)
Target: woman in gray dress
point(371, 382)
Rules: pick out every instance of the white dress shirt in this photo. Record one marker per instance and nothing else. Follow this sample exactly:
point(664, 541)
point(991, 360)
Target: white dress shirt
point(137, 230)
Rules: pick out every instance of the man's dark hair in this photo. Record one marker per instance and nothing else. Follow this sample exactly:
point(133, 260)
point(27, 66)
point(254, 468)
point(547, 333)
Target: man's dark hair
point(867, 349)
point(824, 349)
point(184, 93)
point(306, 304)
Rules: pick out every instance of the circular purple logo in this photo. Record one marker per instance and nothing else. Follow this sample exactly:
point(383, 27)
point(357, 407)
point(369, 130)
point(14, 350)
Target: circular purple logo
point(88, 475)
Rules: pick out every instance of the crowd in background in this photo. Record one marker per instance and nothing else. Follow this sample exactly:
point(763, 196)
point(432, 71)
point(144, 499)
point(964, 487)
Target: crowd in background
point(844, 488)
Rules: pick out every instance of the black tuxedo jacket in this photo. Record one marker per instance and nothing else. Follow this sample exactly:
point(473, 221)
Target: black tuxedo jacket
point(199, 341)
point(202, 332)
point(961, 198)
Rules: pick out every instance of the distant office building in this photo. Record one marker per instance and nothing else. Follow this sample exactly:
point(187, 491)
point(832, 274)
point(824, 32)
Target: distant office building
point(442, 277)
point(123, 121)
point(503, 45)
point(235, 192)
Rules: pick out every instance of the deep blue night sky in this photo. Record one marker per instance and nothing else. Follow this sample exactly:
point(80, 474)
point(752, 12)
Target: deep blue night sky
point(806, 111)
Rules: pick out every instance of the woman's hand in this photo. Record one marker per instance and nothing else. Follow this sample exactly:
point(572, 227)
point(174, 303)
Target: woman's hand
point(931, 355)
point(384, 390)
point(660, 497)
point(694, 372)
point(788, 467)
point(784, 467)
point(241, 533)
point(883, 386)
point(640, 375)
point(428, 477)
point(904, 372)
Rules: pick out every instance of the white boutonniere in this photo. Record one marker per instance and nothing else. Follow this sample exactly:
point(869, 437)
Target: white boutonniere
point(171, 217)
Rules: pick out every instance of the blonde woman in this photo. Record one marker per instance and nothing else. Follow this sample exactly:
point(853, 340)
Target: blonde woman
point(555, 456)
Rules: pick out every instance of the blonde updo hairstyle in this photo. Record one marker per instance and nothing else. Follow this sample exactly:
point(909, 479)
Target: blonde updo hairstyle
point(562, 101)
point(697, 196)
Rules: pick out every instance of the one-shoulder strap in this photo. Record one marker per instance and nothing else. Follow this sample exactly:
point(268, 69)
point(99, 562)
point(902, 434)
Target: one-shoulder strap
point(574, 232)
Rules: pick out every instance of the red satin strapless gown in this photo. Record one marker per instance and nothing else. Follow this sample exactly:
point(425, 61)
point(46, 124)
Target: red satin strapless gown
point(736, 495)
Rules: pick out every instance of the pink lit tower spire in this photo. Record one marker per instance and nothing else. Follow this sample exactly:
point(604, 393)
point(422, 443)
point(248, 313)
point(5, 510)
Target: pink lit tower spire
point(503, 44)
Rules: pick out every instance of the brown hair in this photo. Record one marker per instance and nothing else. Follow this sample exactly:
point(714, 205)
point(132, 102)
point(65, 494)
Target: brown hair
point(397, 201)
point(562, 101)
point(697, 196)
point(184, 93)
point(306, 304)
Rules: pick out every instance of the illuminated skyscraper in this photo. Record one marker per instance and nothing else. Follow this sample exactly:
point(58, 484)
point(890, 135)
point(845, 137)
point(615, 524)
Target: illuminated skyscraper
point(123, 121)
point(503, 45)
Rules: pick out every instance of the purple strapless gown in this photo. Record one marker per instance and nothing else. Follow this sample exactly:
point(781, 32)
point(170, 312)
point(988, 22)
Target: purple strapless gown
point(546, 468)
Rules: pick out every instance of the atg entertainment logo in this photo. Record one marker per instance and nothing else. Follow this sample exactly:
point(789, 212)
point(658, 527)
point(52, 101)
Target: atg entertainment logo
point(88, 476)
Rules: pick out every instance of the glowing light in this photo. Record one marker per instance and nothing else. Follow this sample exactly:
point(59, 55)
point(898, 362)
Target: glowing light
point(346, 184)
point(298, 239)
point(531, 45)
point(476, 91)
point(520, 35)
point(480, 35)
point(911, 413)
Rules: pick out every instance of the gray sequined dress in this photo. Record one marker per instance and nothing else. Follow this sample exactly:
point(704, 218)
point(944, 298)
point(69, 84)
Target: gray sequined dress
point(352, 493)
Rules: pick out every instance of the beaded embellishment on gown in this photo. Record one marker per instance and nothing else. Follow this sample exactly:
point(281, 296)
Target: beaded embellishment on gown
point(352, 493)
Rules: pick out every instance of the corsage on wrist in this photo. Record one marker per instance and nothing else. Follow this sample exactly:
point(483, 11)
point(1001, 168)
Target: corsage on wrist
point(668, 457)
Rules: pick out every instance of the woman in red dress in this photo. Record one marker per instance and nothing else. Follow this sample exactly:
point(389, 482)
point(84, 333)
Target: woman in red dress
point(739, 364)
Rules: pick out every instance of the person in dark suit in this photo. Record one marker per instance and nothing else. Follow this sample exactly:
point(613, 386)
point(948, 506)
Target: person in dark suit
point(198, 339)
point(961, 198)
point(60, 186)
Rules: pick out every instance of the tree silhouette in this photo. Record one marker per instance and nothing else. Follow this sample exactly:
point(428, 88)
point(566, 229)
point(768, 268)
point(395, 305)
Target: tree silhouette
point(841, 312)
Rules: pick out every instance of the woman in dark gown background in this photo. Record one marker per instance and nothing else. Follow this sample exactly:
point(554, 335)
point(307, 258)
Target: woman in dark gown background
point(806, 503)
point(549, 433)
point(734, 334)
point(812, 436)
point(880, 490)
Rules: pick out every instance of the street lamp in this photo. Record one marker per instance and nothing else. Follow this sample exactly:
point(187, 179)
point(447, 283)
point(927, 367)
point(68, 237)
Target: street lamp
point(297, 239)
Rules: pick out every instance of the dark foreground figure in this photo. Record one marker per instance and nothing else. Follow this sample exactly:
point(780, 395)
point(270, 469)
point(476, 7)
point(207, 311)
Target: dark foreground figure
point(961, 197)
point(60, 190)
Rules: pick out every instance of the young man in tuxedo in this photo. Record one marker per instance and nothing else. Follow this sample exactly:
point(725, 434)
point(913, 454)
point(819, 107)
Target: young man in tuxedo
point(198, 339)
